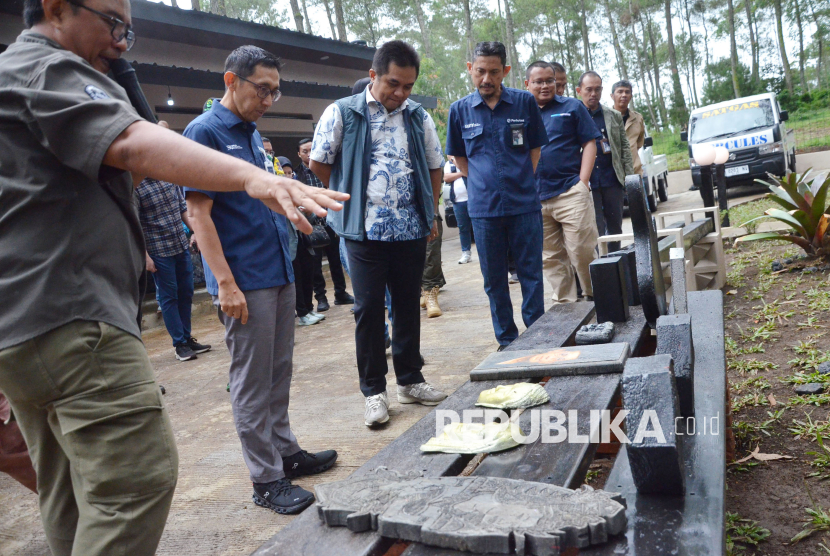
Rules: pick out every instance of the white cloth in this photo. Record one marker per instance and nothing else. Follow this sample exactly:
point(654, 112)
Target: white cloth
point(458, 186)
point(391, 213)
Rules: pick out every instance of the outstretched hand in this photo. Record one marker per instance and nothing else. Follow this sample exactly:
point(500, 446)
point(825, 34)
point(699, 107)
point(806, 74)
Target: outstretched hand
point(284, 195)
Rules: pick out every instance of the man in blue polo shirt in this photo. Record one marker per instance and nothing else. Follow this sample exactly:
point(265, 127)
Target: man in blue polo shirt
point(495, 135)
point(248, 272)
point(563, 178)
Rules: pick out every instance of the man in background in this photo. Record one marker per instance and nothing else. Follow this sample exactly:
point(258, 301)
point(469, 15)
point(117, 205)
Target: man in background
point(162, 210)
point(560, 74)
point(635, 126)
point(331, 251)
point(563, 177)
point(613, 160)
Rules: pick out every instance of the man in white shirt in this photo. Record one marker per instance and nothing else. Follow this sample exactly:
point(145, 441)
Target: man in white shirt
point(384, 149)
point(458, 198)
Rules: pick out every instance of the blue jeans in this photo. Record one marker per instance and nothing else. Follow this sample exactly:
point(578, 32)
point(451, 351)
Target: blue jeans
point(522, 234)
point(465, 226)
point(174, 292)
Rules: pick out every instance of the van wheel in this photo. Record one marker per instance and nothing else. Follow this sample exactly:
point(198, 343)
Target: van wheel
point(652, 202)
point(662, 190)
point(792, 162)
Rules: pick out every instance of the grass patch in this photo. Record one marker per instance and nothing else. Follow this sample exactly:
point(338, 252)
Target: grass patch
point(740, 533)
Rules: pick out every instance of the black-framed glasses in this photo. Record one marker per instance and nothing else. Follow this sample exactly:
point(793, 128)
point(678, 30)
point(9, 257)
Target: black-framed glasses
point(120, 31)
point(262, 91)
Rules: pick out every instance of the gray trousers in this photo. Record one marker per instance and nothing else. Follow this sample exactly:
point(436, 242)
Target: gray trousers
point(260, 378)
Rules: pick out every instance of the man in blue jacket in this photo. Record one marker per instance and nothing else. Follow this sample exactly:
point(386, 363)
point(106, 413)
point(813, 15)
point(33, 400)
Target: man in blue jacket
point(496, 135)
point(383, 149)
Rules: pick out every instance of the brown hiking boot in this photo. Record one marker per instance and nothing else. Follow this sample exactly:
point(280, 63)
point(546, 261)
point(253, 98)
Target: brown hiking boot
point(423, 299)
point(433, 310)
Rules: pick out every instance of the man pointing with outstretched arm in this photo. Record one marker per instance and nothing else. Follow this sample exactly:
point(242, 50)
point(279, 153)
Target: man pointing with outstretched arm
point(71, 251)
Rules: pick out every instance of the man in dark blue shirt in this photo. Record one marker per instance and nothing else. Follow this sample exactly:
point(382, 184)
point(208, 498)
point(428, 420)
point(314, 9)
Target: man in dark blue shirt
point(613, 161)
point(563, 177)
point(248, 272)
point(495, 135)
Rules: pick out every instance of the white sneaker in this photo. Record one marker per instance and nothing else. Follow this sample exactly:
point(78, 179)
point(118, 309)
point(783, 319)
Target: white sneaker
point(307, 320)
point(317, 316)
point(422, 393)
point(376, 410)
point(466, 257)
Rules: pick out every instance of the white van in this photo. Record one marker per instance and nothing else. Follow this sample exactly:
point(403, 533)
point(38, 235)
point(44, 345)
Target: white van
point(752, 130)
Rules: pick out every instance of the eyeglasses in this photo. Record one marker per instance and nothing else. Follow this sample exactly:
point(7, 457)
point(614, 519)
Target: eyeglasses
point(120, 31)
point(548, 82)
point(262, 91)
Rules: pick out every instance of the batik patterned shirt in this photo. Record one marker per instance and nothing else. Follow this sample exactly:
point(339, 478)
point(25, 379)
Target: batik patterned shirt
point(391, 209)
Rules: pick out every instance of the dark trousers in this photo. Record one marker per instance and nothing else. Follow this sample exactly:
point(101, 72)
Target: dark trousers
point(522, 234)
point(332, 252)
point(373, 266)
point(433, 274)
point(304, 280)
point(174, 292)
point(608, 207)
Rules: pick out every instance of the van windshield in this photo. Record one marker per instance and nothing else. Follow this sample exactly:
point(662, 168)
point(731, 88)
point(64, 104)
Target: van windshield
point(730, 120)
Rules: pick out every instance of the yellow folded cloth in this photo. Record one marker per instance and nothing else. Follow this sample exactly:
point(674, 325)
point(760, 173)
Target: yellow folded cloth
point(472, 438)
point(513, 396)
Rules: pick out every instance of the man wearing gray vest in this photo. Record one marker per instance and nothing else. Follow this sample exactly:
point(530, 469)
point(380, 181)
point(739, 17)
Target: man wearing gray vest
point(383, 149)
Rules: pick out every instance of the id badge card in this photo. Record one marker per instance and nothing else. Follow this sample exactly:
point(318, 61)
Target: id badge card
point(517, 136)
point(606, 146)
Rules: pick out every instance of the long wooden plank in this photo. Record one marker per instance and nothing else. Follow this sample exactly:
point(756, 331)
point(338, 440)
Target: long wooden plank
point(692, 525)
point(556, 328)
point(563, 463)
point(306, 534)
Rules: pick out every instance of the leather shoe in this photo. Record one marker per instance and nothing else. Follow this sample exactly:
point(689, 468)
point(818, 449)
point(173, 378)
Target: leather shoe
point(345, 299)
point(322, 306)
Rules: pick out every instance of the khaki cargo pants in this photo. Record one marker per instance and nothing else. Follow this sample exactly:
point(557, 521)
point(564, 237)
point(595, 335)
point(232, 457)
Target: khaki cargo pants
point(99, 437)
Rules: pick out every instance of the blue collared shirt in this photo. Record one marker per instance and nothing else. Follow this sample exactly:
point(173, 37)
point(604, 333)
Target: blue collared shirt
point(500, 180)
point(254, 239)
point(603, 174)
point(569, 126)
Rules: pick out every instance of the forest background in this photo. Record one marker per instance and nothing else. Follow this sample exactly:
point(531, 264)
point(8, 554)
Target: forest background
point(680, 54)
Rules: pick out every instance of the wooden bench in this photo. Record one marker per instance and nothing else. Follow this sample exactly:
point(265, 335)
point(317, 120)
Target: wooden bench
point(657, 526)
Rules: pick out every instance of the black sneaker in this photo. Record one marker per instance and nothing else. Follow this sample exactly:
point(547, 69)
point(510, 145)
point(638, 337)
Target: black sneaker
point(345, 299)
point(282, 497)
point(196, 346)
point(323, 305)
point(502, 347)
point(304, 463)
point(184, 353)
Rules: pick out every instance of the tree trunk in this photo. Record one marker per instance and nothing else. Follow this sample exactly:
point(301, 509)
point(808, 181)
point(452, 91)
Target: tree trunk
point(468, 29)
point(569, 56)
point(422, 24)
point(218, 7)
point(801, 59)
point(643, 73)
point(788, 78)
point(692, 53)
point(174, 4)
point(733, 48)
point(511, 39)
point(298, 15)
point(307, 19)
point(617, 49)
point(341, 21)
point(331, 21)
point(753, 42)
point(705, 42)
point(586, 45)
point(680, 114)
point(196, 5)
point(820, 40)
point(664, 117)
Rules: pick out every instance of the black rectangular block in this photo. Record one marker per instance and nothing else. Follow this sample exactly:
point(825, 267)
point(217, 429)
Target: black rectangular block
point(629, 258)
point(650, 394)
point(610, 294)
point(674, 337)
point(565, 361)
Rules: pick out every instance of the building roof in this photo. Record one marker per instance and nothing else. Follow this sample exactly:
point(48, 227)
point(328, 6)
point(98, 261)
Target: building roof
point(157, 21)
point(154, 74)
